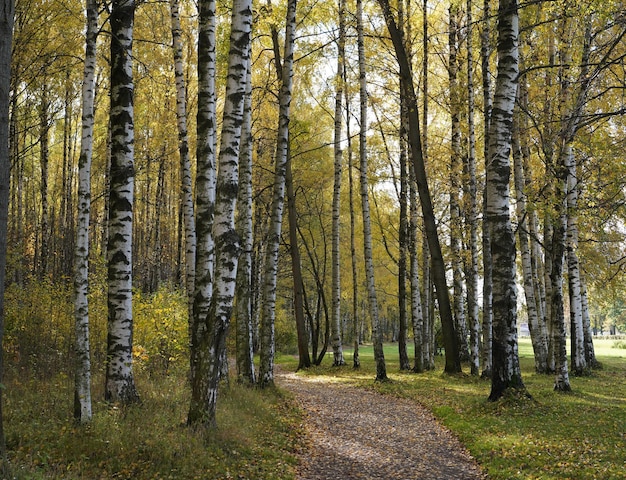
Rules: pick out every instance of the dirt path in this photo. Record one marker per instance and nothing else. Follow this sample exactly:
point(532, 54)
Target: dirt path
point(357, 434)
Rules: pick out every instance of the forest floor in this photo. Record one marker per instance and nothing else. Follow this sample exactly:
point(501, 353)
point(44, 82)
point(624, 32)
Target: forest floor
point(355, 433)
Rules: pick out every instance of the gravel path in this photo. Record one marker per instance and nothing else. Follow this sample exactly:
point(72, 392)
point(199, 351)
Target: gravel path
point(353, 433)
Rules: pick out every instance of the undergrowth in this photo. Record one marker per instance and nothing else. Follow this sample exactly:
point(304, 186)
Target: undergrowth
point(256, 434)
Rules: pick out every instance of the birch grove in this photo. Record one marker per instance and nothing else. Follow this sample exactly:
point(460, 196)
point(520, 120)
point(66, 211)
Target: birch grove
point(171, 169)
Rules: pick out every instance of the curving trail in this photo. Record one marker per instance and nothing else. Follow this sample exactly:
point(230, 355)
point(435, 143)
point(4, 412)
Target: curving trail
point(353, 433)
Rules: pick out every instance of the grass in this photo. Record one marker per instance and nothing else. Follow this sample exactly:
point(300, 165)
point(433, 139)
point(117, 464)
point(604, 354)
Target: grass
point(579, 435)
point(255, 439)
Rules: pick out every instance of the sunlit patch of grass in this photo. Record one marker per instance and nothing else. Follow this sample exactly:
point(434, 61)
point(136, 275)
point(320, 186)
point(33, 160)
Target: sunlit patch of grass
point(578, 435)
point(255, 438)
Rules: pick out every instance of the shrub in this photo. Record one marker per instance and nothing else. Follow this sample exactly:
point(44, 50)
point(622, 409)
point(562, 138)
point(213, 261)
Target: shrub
point(161, 335)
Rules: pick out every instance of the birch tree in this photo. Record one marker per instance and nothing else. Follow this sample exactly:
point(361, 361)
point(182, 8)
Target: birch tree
point(203, 405)
point(185, 161)
point(120, 385)
point(268, 312)
point(458, 296)
point(205, 205)
point(338, 359)
point(417, 315)
point(245, 345)
point(506, 373)
point(427, 319)
point(356, 362)
point(536, 324)
point(7, 10)
point(205, 163)
point(487, 330)
point(471, 215)
point(82, 381)
point(377, 334)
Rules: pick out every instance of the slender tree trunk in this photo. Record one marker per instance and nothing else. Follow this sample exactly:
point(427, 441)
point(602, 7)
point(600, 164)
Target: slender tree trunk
point(556, 304)
point(296, 269)
point(356, 362)
point(377, 333)
point(205, 170)
point(120, 385)
point(245, 345)
point(535, 324)
point(506, 373)
point(403, 248)
point(471, 274)
point(427, 310)
point(7, 10)
point(268, 313)
point(66, 248)
point(205, 206)
point(577, 334)
point(453, 363)
point(82, 374)
point(417, 316)
point(487, 327)
point(185, 161)
point(44, 159)
point(403, 240)
point(590, 355)
point(202, 410)
point(458, 296)
point(338, 359)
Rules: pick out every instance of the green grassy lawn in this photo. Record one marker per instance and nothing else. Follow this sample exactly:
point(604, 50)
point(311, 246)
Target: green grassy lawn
point(255, 440)
point(578, 435)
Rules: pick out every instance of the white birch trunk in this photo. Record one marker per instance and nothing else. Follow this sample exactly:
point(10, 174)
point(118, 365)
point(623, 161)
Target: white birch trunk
point(205, 205)
point(206, 168)
point(268, 312)
point(377, 334)
point(227, 243)
point(538, 335)
point(506, 374)
point(120, 385)
point(417, 316)
point(335, 335)
point(458, 303)
point(561, 382)
point(227, 247)
point(356, 362)
point(185, 161)
point(577, 334)
point(590, 354)
point(82, 381)
point(245, 350)
point(487, 326)
point(471, 275)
